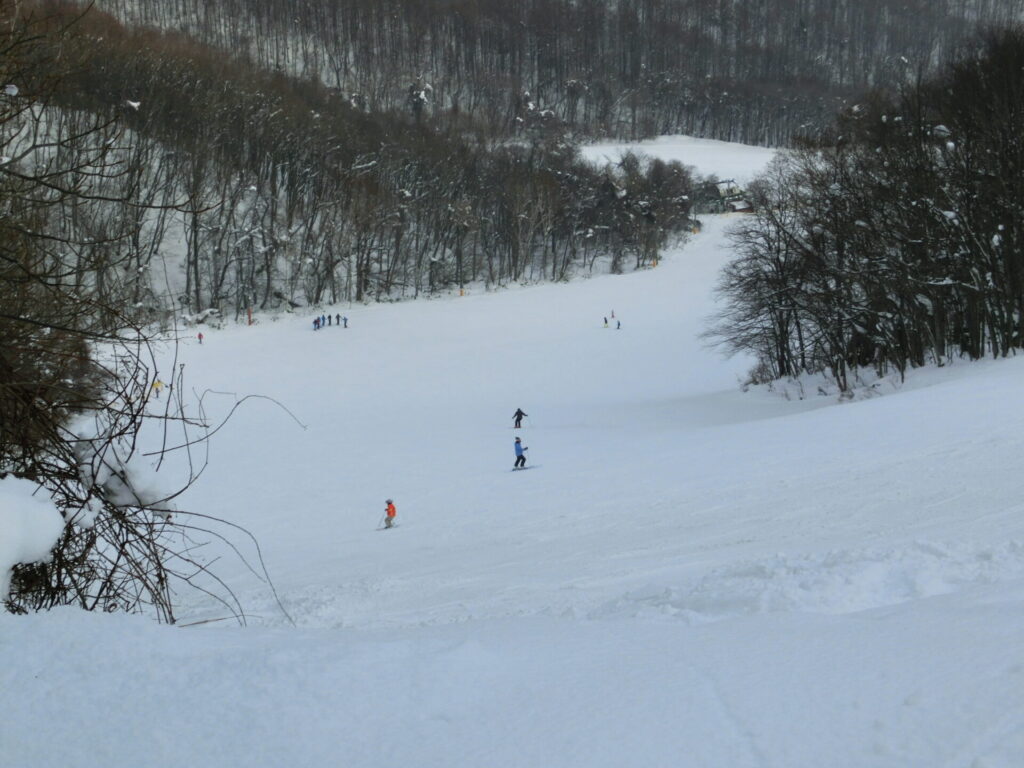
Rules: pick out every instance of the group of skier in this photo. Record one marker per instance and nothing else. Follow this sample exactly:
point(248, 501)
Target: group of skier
point(520, 449)
point(325, 320)
point(517, 417)
point(517, 421)
point(390, 513)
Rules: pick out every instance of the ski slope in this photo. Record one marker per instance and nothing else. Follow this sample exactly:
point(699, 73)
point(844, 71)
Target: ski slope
point(710, 157)
point(691, 575)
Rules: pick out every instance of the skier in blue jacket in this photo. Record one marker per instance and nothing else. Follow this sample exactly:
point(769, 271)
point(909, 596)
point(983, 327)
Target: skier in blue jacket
point(520, 454)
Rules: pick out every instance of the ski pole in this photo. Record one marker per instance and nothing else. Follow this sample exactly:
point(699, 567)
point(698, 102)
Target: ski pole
point(381, 523)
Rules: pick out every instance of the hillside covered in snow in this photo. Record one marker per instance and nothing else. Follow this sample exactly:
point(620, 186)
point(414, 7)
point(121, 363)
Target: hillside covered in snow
point(688, 574)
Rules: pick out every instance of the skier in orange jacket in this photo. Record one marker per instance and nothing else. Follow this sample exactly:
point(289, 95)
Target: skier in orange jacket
point(389, 512)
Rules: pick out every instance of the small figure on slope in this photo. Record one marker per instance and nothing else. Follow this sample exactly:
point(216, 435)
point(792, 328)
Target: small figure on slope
point(157, 386)
point(200, 337)
point(389, 514)
point(518, 416)
point(520, 454)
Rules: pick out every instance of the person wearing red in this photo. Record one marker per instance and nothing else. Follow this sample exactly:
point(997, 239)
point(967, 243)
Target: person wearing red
point(389, 514)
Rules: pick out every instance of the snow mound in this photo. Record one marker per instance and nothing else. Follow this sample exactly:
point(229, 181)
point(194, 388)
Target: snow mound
point(29, 527)
point(831, 583)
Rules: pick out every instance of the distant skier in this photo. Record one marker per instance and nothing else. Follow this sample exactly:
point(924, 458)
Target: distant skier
point(389, 513)
point(520, 454)
point(200, 337)
point(613, 314)
point(618, 325)
point(337, 319)
point(316, 323)
point(606, 322)
point(157, 386)
point(323, 321)
point(518, 416)
point(328, 319)
point(344, 321)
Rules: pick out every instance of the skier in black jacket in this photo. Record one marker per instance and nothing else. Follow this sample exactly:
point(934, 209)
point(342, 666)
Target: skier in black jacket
point(518, 416)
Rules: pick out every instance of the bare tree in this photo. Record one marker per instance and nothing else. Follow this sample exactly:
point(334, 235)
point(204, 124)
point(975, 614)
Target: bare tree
point(76, 369)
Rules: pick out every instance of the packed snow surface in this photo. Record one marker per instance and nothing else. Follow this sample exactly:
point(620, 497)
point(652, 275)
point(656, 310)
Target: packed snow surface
point(726, 160)
point(690, 575)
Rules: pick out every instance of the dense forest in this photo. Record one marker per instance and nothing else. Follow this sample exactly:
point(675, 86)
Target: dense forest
point(252, 189)
point(756, 71)
point(303, 153)
point(898, 241)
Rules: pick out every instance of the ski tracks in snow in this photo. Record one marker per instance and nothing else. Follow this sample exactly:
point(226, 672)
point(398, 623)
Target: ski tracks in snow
point(838, 582)
point(727, 714)
point(998, 741)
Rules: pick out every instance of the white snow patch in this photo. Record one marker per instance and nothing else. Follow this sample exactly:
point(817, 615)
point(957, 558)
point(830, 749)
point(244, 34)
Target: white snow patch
point(709, 157)
point(832, 582)
point(29, 527)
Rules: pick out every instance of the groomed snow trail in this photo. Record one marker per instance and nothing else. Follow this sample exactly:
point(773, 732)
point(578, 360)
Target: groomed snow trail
point(693, 576)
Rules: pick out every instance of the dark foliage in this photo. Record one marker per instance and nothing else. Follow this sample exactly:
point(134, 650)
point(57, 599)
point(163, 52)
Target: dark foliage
point(898, 241)
point(758, 71)
point(288, 193)
point(76, 368)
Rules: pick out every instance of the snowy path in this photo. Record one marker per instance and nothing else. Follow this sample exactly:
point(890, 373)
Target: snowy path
point(694, 576)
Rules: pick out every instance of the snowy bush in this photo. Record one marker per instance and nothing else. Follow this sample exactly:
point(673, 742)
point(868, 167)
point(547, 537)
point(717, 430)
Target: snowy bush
point(29, 527)
point(887, 246)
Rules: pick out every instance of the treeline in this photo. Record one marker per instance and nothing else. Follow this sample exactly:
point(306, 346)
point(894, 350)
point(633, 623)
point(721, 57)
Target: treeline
point(75, 368)
point(274, 190)
point(899, 242)
point(758, 71)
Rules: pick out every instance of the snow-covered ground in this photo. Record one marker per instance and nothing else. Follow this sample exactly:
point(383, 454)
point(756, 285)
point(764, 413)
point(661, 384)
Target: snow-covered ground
point(690, 575)
point(29, 525)
point(740, 162)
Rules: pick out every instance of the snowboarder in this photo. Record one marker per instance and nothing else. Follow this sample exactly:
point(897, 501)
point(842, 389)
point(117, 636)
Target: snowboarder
point(200, 337)
point(518, 416)
point(520, 454)
point(389, 513)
